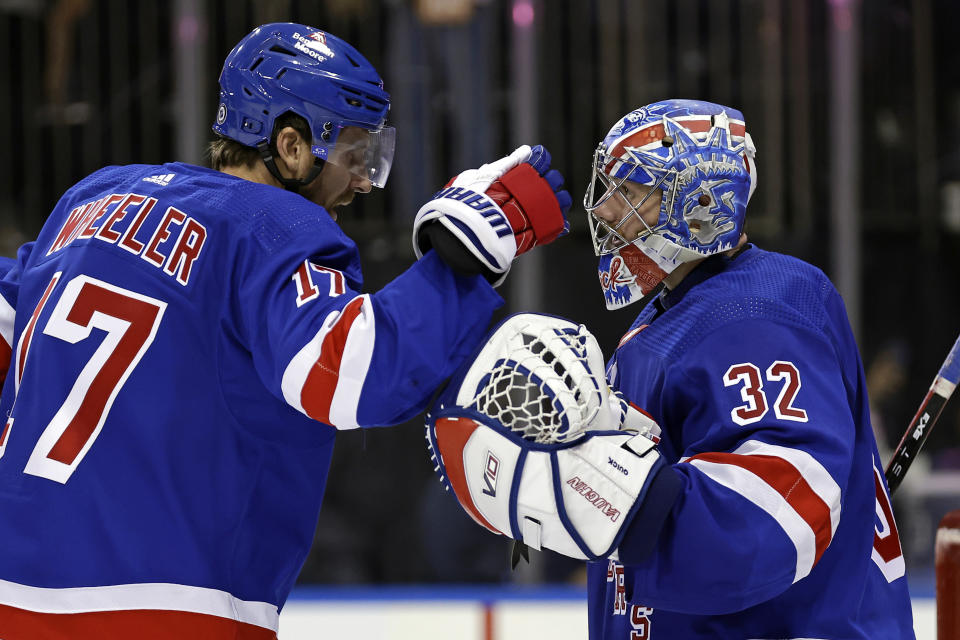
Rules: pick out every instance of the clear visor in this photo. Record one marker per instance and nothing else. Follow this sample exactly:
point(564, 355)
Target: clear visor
point(363, 152)
point(615, 195)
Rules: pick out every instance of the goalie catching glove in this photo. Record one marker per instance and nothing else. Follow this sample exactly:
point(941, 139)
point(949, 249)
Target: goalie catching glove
point(537, 447)
point(483, 218)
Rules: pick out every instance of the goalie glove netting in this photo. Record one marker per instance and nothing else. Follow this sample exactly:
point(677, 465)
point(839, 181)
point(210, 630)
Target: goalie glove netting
point(547, 388)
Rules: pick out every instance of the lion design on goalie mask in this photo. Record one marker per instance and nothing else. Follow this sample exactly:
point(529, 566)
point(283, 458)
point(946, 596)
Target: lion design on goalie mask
point(714, 167)
point(712, 213)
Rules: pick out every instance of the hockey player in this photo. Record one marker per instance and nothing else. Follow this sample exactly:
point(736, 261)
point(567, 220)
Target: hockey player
point(757, 508)
point(186, 342)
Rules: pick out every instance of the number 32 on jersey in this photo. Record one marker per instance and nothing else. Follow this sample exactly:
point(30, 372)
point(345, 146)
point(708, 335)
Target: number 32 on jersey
point(886, 552)
point(752, 392)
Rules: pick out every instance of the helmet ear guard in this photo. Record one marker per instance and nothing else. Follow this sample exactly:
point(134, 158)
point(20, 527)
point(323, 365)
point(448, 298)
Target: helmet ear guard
point(290, 184)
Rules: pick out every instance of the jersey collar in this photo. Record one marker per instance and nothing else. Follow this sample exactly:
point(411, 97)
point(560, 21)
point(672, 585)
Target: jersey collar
point(706, 269)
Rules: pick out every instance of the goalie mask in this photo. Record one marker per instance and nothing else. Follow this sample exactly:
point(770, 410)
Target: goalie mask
point(696, 158)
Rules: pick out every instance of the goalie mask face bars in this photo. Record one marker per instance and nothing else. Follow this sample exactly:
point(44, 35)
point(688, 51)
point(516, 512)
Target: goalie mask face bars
point(609, 237)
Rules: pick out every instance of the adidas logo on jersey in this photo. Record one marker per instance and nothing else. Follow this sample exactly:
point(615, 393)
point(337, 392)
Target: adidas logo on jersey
point(162, 179)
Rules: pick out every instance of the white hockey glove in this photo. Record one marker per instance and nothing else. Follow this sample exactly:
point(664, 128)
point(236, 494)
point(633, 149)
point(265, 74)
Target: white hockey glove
point(537, 447)
point(483, 218)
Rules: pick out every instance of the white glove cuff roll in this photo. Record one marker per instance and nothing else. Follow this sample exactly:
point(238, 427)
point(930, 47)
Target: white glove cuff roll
point(476, 221)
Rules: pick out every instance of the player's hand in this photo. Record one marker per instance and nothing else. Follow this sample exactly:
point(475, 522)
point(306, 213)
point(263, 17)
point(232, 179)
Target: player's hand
point(483, 218)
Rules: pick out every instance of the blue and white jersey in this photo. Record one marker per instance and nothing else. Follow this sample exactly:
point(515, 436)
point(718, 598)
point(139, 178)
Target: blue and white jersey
point(185, 345)
point(783, 528)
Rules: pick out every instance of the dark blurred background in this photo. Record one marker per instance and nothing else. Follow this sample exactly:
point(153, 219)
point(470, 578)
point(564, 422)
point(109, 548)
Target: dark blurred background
point(854, 107)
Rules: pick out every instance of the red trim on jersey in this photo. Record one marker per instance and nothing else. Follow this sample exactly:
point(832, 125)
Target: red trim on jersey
point(888, 547)
point(636, 408)
point(28, 332)
point(452, 436)
point(6, 353)
point(656, 439)
point(6, 430)
point(18, 624)
point(317, 393)
point(786, 480)
point(628, 336)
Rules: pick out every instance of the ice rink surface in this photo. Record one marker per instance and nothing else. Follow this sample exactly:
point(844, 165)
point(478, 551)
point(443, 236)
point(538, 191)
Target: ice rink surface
point(472, 613)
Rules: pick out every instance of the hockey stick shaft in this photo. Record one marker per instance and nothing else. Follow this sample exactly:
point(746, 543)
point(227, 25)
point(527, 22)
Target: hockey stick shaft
point(922, 423)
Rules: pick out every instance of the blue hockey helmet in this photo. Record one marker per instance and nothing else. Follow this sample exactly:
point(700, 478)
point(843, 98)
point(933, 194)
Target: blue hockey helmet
point(285, 67)
point(698, 158)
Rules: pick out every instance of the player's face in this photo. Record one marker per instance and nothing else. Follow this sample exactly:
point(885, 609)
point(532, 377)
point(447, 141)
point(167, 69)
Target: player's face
point(342, 176)
point(630, 211)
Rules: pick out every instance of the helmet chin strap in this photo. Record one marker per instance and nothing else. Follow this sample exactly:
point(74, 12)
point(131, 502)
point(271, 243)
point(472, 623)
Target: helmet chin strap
point(290, 184)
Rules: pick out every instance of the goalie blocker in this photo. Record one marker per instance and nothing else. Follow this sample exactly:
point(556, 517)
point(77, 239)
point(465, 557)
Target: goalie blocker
point(537, 447)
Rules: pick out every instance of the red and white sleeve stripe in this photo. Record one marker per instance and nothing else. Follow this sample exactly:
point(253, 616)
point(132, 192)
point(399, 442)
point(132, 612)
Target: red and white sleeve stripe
point(147, 611)
point(325, 378)
point(789, 484)
point(7, 317)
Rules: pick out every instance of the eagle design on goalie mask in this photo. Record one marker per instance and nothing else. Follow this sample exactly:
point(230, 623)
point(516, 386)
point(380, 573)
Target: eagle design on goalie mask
point(701, 157)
